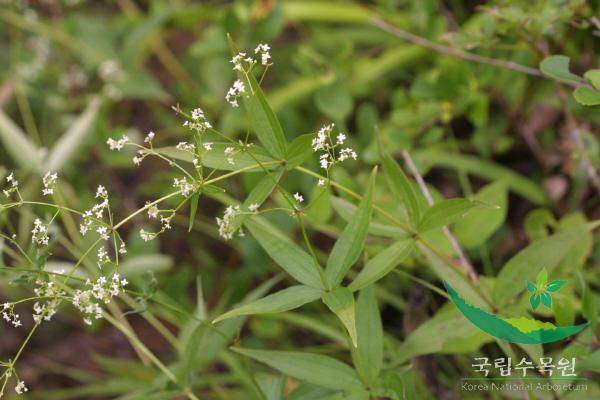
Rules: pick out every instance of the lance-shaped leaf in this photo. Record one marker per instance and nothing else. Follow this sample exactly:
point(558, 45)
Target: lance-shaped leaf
point(541, 279)
point(284, 300)
point(534, 300)
point(71, 141)
point(369, 354)
point(286, 253)
point(555, 286)
point(312, 368)
point(445, 213)
point(531, 287)
point(401, 187)
point(546, 299)
point(18, 145)
point(348, 247)
point(299, 150)
point(341, 302)
point(384, 262)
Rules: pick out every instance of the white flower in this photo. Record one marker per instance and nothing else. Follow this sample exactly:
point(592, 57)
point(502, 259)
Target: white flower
point(253, 207)
point(207, 146)
point(263, 50)
point(117, 144)
point(49, 181)
point(39, 233)
point(226, 224)
point(234, 92)
point(184, 186)
point(238, 59)
point(341, 138)
point(101, 192)
point(185, 146)
point(298, 197)
point(21, 388)
point(321, 182)
point(137, 160)
point(149, 137)
point(198, 121)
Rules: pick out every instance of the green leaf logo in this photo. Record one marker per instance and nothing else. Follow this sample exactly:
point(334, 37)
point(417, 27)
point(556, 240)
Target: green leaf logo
point(541, 291)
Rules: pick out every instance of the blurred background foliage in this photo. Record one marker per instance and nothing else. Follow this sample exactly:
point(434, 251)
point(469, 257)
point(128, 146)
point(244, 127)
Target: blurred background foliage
point(74, 73)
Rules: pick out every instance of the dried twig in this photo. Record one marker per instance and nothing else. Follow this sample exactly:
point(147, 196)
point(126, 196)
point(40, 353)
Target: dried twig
point(457, 249)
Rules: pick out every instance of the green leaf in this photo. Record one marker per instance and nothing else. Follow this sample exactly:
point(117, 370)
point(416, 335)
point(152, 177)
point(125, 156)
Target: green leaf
point(335, 101)
point(263, 121)
point(401, 187)
point(286, 253)
point(299, 150)
point(369, 353)
point(312, 368)
point(284, 300)
point(589, 304)
point(534, 300)
point(587, 96)
point(542, 278)
point(557, 67)
point(69, 144)
point(384, 262)
point(194, 200)
point(546, 299)
point(531, 286)
point(258, 195)
point(341, 302)
point(470, 231)
point(348, 247)
point(555, 286)
point(346, 210)
point(564, 313)
point(593, 76)
point(548, 252)
point(18, 145)
point(445, 213)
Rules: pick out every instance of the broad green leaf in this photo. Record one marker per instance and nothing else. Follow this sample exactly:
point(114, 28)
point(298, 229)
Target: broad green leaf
point(312, 368)
point(587, 96)
point(284, 300)
point(401, 187)
point(542, 278)
point(531, 286)
point(593, 76)
point(447, 331)
point(335, 101)
point(350, 244)
point(470, 231)
point(384, 262)
point(369, 352)
point(341, 302)
point(18, 145)
point(555, 286)
point(286, 253)
point(534, 300)
point(546, 299)
point(263, 120)
point(69, 144)
point(557, 67)
point(299, 150)
point(544, 253)
point(445, 213)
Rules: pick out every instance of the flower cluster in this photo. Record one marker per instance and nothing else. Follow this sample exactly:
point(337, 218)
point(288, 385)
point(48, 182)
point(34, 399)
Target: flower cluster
point(21, 388)
point(198, 121)
point(264, 51)
point(154, 213)
point(39, 233)
point(227, 226)
point(9, 315)
point(323, 141)
point(46, 309)
point(102, 291)
point(92, 218)
point(237, 90)
point(13, 185)
point(117, 144)
point(49, 181)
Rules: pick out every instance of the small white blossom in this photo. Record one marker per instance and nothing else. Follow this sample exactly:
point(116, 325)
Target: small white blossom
point(239, 59)
point(226, 224)
point(21, 388)
point(185, 146)
point(101, 192)
point(253, 207)
point(207, 146)
point(117, 144)
point(321, 182)
point(263, 50)
point(298, 197)
point(49, 181)
point(9, 315)
point(149, 137)
point(183, 185)
point(198, 122)
point(39, 233)
point(235, 91)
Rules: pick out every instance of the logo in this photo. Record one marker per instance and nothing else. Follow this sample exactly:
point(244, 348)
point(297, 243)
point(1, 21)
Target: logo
point(520, 330)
